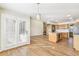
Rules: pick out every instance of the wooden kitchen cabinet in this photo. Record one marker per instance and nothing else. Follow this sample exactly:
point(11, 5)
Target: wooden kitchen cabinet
point(53, 37)
point(64, 35)
point(76, 42)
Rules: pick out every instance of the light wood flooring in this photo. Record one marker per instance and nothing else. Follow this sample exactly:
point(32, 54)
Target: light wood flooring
point(41, 46)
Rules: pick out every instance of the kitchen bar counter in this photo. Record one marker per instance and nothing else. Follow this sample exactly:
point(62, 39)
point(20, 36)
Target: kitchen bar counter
point(62, 30)
point(58, 35)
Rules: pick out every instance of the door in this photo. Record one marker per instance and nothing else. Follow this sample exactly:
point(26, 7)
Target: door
point(8, 28)
point(22, 32)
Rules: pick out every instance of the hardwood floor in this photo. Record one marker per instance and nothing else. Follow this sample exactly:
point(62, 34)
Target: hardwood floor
point(41, 46)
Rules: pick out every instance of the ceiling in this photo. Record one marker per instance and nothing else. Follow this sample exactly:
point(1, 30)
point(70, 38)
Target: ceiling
point(53, 12)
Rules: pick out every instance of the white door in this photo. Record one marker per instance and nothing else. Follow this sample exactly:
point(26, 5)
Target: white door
point(22, 30)
point(9, 31)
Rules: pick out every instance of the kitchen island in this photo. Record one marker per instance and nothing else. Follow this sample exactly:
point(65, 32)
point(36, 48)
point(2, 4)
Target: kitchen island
point(58, 35)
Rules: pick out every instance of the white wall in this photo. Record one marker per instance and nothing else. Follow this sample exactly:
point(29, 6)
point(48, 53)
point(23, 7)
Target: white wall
point(36, 27)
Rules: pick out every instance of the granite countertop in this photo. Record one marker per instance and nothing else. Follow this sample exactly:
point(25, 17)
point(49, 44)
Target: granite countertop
point(62, 30)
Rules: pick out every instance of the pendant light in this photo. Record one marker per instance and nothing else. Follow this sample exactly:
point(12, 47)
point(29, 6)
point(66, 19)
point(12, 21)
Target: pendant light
point(38, 16)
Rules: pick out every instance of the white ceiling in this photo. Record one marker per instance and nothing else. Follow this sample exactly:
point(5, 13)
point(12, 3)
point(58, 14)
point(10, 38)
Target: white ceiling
point(49, 11)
